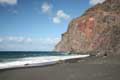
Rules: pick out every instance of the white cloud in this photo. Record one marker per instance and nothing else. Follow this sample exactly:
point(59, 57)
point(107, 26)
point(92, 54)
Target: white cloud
point(60, 15)
point(1, 39)
point(52, 40)
point(94, 2)
point(56, 20)
point(10, 2)
point(15, 39)
point(47, 41)
point(28, 44)
point(29, 40)
point(46, 8)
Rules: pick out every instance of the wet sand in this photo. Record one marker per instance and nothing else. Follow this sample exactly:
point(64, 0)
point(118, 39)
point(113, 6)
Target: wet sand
point(95, 68)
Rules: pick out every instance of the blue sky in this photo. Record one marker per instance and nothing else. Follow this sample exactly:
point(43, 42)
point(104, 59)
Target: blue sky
point(37, 25)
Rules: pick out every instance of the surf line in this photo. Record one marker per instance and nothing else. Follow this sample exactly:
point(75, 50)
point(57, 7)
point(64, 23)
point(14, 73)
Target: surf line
point(36, 63)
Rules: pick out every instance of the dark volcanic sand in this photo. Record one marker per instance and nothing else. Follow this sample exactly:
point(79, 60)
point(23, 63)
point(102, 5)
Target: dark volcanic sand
point(87, 69)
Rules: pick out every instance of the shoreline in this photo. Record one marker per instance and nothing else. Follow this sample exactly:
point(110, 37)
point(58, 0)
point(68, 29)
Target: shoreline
point(85, 60)
point(90, 68)
point(38, 62)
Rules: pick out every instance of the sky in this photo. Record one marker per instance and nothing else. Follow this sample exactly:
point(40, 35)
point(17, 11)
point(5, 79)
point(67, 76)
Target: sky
point(37, 25)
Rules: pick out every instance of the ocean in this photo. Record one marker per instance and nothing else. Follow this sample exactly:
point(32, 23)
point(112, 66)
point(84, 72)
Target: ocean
point(16, 59)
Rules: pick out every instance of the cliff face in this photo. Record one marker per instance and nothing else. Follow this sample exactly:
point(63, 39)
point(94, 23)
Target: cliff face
point(97, 31)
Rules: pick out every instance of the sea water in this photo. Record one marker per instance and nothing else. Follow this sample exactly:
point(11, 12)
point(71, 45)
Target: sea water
point(15, 59)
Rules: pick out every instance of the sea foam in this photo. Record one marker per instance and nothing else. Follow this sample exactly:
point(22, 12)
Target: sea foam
point(37, 61)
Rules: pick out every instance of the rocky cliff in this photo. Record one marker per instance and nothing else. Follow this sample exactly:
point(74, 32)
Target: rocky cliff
point(96, 31)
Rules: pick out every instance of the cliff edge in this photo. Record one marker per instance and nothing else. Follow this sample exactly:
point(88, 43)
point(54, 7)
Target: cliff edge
point(97, 31)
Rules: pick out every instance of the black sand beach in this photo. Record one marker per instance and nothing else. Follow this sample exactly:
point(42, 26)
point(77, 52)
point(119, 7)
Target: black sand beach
point(93, 68)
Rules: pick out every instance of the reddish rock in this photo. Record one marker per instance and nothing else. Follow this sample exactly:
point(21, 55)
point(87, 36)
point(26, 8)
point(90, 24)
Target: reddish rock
point(97, 31)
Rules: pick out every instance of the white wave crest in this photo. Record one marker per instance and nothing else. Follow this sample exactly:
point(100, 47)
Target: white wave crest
point(37, 61)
